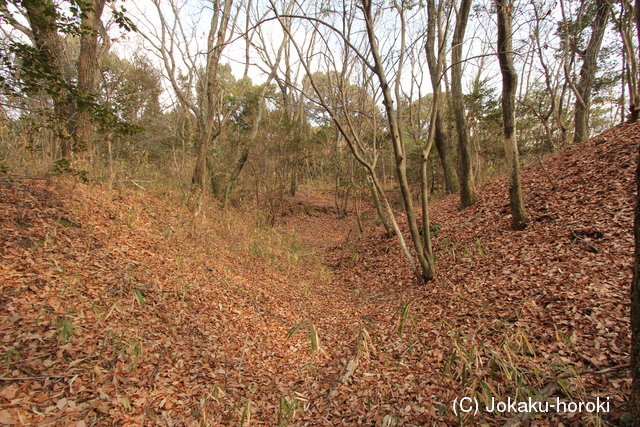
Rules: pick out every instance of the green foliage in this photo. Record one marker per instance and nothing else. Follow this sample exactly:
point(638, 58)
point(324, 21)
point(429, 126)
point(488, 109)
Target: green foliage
point(10, 355)
point(510, 367)
point(245, 419)
point(404, 314)
point(30, 72)
point(287, 409)
point(64, 329)
point(139, 297)
point(313, 334)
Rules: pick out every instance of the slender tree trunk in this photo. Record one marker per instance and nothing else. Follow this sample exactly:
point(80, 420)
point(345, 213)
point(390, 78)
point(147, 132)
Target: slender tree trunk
point(378, 205)
point(235, 173)
point(468, 193)
point(88, 69)
point(210, 123)
point(630, 59)
point(443, 144)
point(426, 265)
point(588, 72)
point(635, 113)
point(509, 86)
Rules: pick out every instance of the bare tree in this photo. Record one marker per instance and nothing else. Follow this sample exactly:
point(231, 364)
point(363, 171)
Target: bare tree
point(367, 53)
point(543, 99)
point(468, 193)
point(624, 22)
point(509, 87)
point(196, 83)
point(435, 61)
point(588, 71)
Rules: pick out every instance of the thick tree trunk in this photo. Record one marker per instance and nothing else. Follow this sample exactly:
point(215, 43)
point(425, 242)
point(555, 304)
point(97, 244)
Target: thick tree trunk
point(88, 69)
point(634, 402)
point(509, 85)
point(54, 56)
point(468, 193)
point(588, 72)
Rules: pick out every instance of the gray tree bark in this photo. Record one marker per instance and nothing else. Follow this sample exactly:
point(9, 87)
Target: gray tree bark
point(588, 72)
point(443, 143)
point(468, 193)
point(88, 68)
point(519, 215)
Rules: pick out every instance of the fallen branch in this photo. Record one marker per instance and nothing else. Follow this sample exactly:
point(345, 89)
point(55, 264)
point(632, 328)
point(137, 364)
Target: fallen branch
point(23, 178)
point(344, 378)
point(42, 377)
point(152, 377)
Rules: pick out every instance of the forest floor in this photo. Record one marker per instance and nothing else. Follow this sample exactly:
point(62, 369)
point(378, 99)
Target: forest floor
point(119, 307)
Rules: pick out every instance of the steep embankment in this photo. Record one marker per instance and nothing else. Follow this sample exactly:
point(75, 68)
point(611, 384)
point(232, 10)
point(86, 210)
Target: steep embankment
point(120, 308)
point(510, 310)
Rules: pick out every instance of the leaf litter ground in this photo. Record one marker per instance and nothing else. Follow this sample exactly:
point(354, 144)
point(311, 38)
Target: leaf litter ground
point(121, 308)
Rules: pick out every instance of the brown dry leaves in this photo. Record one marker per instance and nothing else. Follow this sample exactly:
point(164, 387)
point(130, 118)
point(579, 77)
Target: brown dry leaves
point(121, 309)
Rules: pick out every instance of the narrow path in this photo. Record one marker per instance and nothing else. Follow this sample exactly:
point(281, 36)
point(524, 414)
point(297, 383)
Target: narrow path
point(345, 305)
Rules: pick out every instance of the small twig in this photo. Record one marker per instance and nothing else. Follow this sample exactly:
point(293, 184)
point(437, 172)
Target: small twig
point(137, 185)
point(155, 371)
point(258, 310)
point(600, 372)
point(244, 348)
point(553, 186)
point(576, 237)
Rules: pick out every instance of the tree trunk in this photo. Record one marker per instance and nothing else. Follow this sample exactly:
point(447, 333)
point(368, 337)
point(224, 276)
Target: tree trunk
point(54, 57)
point(588, 72)
point(427, 266)
point(444, 147)
point(468, 193)
point(379, 209)
point(443, 144)
point(88, 69)
point(634, 402)
point(635, 113)
point(631, 56)
point(233, 177)
point(509, 86)
point(210, 123)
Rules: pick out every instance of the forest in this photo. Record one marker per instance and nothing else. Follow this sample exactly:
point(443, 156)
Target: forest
point(319, 213)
